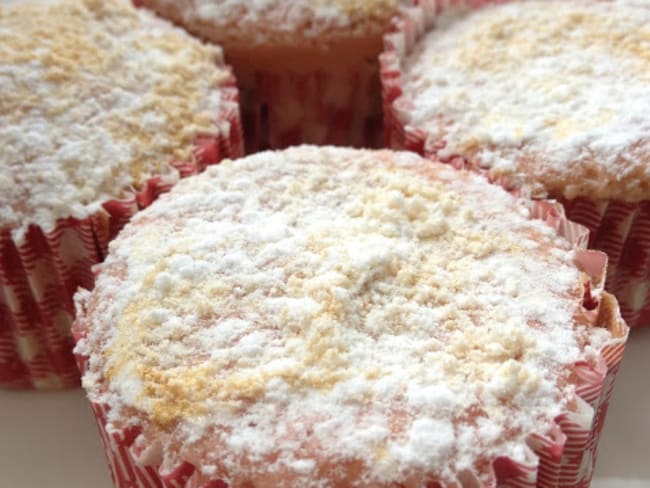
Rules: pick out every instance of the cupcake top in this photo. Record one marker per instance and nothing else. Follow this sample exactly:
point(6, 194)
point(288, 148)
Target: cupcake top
point(547, 94)
point(335, 317)
point(95, 97)
point(266, 22)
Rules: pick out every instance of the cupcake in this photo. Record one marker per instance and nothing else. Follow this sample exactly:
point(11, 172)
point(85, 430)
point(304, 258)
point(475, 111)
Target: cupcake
point(543, 97)
point(307, 69)
point(348, 318)
point(102, 107)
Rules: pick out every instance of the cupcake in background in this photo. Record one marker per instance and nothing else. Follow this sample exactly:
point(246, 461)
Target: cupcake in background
point(102, 107)
point(347, 318)
point(545, 97)
point(307, 69)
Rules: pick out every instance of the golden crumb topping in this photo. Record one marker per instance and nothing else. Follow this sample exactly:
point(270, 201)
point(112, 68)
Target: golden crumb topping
point(542, 93)
point(239, 23)
point(95, 97)
point(287, 302)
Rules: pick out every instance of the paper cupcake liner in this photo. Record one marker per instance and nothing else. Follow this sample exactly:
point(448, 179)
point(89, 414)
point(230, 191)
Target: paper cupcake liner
point(39, 275)
point(323, 94)
point(319, 106)
point(565, 455)
point(620, 229)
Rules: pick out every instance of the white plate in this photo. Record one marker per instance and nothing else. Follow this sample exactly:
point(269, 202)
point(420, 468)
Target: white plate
point(49, 440)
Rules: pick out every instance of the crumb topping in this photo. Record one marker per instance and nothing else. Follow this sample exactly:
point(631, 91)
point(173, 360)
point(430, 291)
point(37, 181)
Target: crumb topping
point(318, 307)
point(547, 95)
point(280, 21)
point(95, 97)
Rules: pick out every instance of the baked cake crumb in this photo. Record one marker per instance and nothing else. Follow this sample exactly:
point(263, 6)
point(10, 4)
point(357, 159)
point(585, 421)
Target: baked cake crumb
point(95, 98)
point(280, 21)
point(546, 94)
point(294, 311)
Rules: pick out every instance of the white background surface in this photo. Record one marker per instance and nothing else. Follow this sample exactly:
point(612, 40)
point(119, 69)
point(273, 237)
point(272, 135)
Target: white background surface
point(49, 440)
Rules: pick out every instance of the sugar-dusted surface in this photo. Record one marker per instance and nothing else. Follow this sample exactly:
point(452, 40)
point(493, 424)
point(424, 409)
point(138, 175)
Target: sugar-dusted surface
point(95, 97)
point(31, 451)
point(287, 313)
point(286, 22)
point(546, 94)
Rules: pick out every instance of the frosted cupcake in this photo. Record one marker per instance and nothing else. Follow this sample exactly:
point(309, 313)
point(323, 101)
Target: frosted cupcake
point(102, 107)
point(345, 318)
point(307, 69)
point(540, 96)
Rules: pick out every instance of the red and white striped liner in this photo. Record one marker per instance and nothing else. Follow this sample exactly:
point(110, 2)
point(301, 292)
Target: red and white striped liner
point(39, 276)
point(620, 229)
point(566, 454)
point(320, 106)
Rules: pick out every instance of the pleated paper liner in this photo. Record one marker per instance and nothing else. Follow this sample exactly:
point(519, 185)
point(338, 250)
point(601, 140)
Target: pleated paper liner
point(620, 229)
point(304, 92)
point(39, 274)
point(564, 456)
point(327, 105)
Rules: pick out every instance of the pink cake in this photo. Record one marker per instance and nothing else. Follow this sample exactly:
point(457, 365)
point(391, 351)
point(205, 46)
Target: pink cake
point(346, 318)
point(102, 107)
point(543, 97)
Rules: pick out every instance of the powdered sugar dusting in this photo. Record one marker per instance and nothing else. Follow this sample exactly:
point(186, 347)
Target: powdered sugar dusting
point(332, 317)
point(546, 94)
point(268, 21)
point(95, 97)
